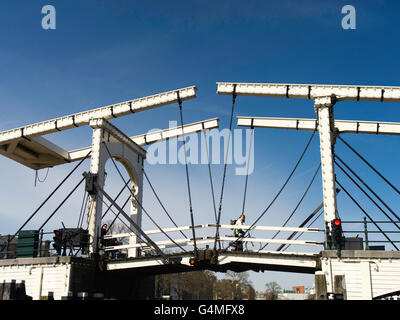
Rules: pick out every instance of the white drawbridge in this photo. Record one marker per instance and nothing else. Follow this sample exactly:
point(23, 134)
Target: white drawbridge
point(27, 146)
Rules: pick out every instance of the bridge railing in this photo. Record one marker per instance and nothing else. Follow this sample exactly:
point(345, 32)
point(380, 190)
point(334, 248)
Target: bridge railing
point(204, 240)
point(368, 236)
point(39, 244)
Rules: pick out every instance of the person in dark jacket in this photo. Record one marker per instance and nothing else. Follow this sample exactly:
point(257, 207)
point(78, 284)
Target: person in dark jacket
point(103, 232)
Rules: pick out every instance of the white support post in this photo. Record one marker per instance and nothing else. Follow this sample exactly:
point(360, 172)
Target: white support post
point(95, 203)
point(365, 275)
point(324, 110)
point(108, 141)
point(136, 216)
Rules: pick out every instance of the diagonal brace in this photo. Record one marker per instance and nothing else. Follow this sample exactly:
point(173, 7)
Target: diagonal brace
point(121, 211)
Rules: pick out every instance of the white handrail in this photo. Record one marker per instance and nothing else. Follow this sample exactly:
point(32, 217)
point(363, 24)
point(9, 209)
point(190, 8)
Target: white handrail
point(203, 240)
point(223, 226)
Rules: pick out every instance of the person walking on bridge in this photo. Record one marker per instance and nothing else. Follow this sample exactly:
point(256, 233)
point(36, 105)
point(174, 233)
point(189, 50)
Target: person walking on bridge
point(237, 232)
point(239, 222)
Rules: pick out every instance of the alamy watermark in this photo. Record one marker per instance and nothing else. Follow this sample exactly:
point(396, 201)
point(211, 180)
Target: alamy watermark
point(214, 147)
point(349, 20)
point(49, 20)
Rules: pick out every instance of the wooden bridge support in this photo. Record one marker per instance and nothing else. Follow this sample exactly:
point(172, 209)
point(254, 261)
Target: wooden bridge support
point(109, 142)
point(321, 291)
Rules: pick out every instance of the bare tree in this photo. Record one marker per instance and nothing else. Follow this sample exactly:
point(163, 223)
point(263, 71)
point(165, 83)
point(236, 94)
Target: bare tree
point(249, 292)
point(239, 284)
point(272, 290)
point(223, 289)
point(241, 277)
point(191, 285)
point(204, 285)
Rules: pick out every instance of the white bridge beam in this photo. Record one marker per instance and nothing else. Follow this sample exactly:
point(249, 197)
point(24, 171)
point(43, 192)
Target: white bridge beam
point(107, 112)
point(38, 152)
point(344, 126)
point(157, 136)
point(311, 91)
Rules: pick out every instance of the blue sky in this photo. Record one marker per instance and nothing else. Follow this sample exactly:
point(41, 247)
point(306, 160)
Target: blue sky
point(103, 52)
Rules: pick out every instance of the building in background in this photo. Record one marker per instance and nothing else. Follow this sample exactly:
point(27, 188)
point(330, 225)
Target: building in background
point(297, 293)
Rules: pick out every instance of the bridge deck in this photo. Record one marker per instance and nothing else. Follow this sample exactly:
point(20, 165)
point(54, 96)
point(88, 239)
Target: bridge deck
point(227, 260)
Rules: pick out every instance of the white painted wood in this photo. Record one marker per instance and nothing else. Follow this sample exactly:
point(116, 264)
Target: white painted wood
point(310, 91)
point(107, 112)
point(274, 258)
point(107, 142)
point(365, 273)
point(150, 138)
point(324, 110)
point(365, 278)
point(344, 126)
point(203, 240)
point(269, 228)
point(223, 226)
point(55, 278)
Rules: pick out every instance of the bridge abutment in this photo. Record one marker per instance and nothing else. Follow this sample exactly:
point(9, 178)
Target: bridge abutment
point(60, 275)
point(366, 274)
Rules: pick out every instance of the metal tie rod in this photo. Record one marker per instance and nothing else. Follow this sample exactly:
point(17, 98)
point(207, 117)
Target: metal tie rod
point(137, 228)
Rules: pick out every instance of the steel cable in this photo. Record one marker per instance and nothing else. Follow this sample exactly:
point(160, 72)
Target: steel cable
point(159, 201)
point(51, 194)
point(368, 196)
point(138, 202)
point(362, 209)
point(368, 164)
point(224, 174)
point(298, 204)
point(281, 189)
point(301, 233)
point(187, 177)
point(366, 185)
point(247, 170)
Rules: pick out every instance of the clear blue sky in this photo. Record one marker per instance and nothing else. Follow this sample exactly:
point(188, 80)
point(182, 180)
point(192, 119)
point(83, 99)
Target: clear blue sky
point(103, 52)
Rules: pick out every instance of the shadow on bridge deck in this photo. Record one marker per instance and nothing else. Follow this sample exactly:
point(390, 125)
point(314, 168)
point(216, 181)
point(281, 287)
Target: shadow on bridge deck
point(227, 260)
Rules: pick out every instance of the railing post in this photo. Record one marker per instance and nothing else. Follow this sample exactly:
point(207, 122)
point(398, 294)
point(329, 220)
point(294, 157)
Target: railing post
point(328, 237)
point(40, 243)
point(366, 234)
